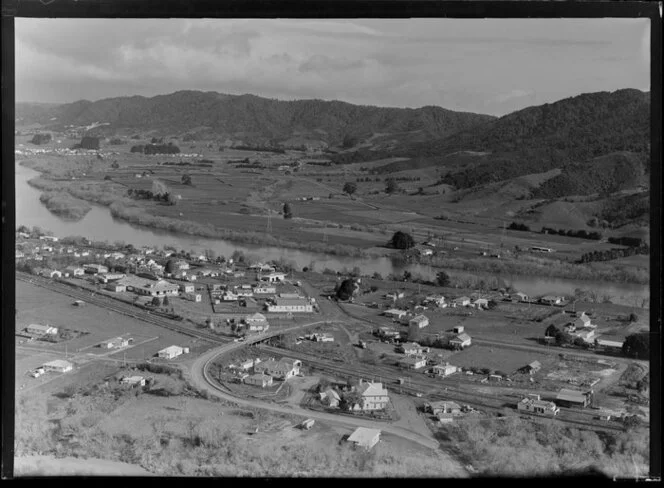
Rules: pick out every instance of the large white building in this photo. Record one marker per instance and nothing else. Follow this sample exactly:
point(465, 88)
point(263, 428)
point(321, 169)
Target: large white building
point(38, 329)
point(59, 366)
point(170, 352)
point(364, 437)
point(290, 305)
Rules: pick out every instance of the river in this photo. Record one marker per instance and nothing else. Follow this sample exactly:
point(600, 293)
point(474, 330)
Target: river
point(99, 225)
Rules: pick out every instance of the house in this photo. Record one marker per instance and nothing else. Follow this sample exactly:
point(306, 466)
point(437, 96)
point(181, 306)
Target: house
point(445, 407)
point(573, 398)
point(133, 381)
point(424, 251)
point(460, 341)
point(330, 397)
point(170, 352)
point(307, 424)
point(114, 343)
point(520, 297)
point(481, 303)
point(265, 290)
point(586, 334)
point(531, 368)
point(250, 363)
point(53, 273)
point(365, 438)
point(290, 305)
point(395, 295)
point(282, 369)
point(256, 319)
point(74, 271)
point(583, 322)
point(95, 268)
point(413, 362)
point(461, 302)
point(228, 296)
point(193, 297)
point(535, 405)
point(322, 338)
point(274, 277)
point(48, 238)
point(374, 396)
point(157, 289)
point(394, 313)
point(37, 329)
point(181, 264)
point(458, 329)
point(187, 288)
point(387, 333)
point(438, 300)
point(59, 366)
point(259, 379)
point(551, 300)
point(412, 349)
point(444, 369)
point(116, 287)
point(419, 321)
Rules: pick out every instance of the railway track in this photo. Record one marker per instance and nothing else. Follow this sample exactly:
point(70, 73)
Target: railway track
point(487, 402)
point(119, 307)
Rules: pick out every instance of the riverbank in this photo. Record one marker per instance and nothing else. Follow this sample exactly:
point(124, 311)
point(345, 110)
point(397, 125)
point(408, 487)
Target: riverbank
point(112, 196)
point(64, 205)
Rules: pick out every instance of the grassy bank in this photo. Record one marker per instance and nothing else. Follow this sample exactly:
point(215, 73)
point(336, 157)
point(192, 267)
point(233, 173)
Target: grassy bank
point(64, 205)
point(135, 214)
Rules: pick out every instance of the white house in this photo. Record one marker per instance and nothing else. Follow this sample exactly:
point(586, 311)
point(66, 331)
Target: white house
point(187, 288)
point(520, 297)
point(115, 343)
point(419, 321)
point(322, 338)
point(412, 349)
point(443, 406)
point(364, 437)
point(535, 405)
point(290, 305)
point(274, 277)
point(74, 271)
point(481, 303)
point(157, 289)
point(193, 297)
point(282, 369)
point(133, 381)
point(330, 397)
point(374, 396)
point(583, 321)
point(413, 362)
point(394, 295)
point(551, 300)
point(394, 313)
point(59, 365)
point(170, 352)
point(587, 335)
point(444, 369)
point(38, 329)
point(460, 340)
point(461, 302)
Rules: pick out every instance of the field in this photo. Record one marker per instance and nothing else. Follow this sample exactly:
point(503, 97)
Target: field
point(38, 305)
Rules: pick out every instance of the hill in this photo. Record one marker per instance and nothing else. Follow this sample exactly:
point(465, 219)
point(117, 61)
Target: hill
point(536, 140)
point(252, 118)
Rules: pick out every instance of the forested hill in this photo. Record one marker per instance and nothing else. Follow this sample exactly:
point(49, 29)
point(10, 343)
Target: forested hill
point(537, 139)
point(249, 115)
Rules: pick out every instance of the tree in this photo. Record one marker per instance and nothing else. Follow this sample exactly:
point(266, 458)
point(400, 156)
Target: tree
point(552, 331)
point(166, 302)
point(349, 141)
point(170, 266)
point(288, 211)
point(350, 188)
point(637, 346)
point(156, 301)
point(401, 240)
point(186, 179)
point(346, 289)
point(391, 186)
point(443, 279)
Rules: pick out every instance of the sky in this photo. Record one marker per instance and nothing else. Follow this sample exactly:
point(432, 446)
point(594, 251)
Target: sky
point(491, 66)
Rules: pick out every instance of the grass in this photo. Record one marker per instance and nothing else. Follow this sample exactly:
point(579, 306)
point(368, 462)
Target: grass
point(64, 205)
point(516, 447)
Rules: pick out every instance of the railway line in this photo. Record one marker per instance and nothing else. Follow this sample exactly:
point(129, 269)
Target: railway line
point(116, 306)
point(445, 391)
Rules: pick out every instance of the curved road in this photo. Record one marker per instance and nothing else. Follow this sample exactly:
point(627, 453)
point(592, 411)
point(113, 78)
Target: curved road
point(198, 376)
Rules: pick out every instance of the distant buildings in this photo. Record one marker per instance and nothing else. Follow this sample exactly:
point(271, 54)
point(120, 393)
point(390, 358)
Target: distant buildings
point(394, 313)
point(40, 330)
point(537, 406)
point(283, 369)
point(95, 268)
point(574, 398)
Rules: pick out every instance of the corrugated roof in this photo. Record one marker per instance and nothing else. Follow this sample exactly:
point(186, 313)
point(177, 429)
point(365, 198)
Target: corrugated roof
point(364, 436)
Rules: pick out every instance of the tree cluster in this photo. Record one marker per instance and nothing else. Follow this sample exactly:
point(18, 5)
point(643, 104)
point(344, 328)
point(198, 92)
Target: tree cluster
point(41, 139)
point(401, 240)
point(610, 254)
point(637, 346)
point(583, 234)
point(518, 226)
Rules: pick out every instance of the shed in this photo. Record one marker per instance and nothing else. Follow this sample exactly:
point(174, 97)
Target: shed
point(572, 398)
point(364, 437)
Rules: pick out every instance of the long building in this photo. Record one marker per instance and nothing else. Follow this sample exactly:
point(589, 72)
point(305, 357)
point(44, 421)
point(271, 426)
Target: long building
point(290, 305)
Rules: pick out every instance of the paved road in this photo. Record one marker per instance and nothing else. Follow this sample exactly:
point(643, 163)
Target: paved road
point(197, 376)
